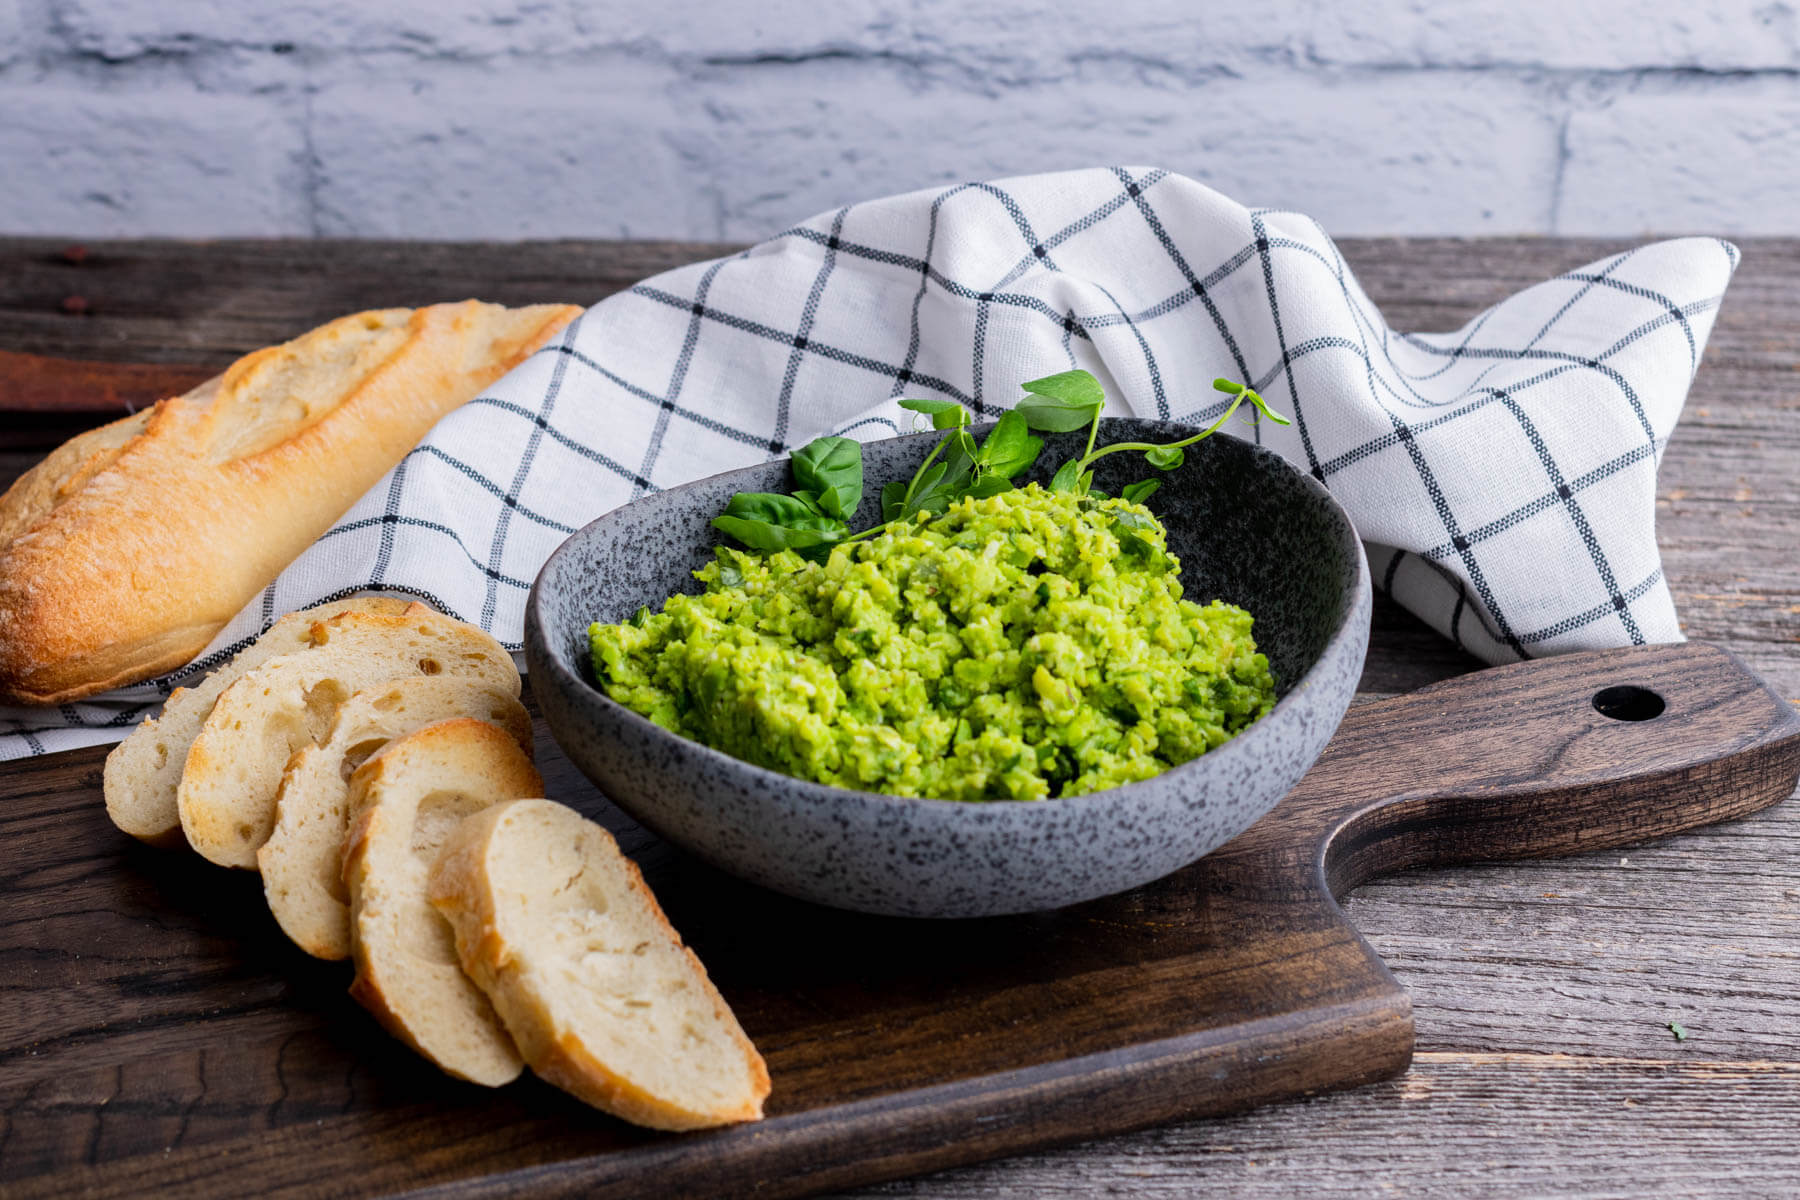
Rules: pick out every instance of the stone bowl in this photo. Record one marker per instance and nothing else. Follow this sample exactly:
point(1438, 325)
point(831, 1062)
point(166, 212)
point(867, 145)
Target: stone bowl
point(1248, 528)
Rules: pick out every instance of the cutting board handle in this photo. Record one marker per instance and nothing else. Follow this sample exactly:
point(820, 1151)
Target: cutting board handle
point(1554, 756)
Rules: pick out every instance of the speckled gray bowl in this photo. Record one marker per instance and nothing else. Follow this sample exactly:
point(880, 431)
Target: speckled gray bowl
point(1247, 527)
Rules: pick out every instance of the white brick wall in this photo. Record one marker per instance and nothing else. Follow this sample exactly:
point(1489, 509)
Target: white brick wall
point(731, 118)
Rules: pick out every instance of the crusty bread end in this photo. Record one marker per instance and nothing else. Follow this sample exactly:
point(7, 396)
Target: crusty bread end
point(596, 988)
point(127, 550)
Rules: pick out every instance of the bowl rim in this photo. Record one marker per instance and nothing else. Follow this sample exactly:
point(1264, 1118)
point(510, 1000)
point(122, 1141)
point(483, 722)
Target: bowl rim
point(1358, 598)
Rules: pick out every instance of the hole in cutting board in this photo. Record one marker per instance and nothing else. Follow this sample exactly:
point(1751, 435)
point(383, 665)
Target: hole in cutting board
point(1628, 702)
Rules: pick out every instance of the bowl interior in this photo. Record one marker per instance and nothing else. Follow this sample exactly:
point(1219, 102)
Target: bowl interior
point(1248, 528)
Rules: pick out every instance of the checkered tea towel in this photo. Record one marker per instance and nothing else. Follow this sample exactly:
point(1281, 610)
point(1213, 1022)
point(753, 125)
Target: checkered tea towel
point(1503, 475)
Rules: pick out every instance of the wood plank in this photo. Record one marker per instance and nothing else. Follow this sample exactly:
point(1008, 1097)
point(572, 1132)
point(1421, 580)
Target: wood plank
point(1545, 1066)
point(206, 303)
point(1456, 933)
point(1231, 983)
point(168, 301)
point(1455, 1126)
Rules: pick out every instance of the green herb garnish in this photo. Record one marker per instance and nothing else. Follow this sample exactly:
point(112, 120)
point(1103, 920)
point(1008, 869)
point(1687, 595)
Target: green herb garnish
point(828, 471)
point(1676, 1029)
point(1062, 403)
point(1077, 475)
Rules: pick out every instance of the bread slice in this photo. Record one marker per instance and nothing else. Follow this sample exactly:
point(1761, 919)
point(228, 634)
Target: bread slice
point(300, 863)
point(143, 771)
point(124, 552)
point(233, 769)
point(404, 803)
point(559, 929)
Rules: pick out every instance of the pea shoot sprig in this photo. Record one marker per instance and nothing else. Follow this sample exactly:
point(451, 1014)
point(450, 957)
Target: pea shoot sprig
point(828, 471)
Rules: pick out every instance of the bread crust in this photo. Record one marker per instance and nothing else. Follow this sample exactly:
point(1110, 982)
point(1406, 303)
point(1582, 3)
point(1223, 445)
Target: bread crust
point(465, 892)
point(300, 861)
point(133, 546)
point(226, 797)
point(143, 773)
point(407, 978)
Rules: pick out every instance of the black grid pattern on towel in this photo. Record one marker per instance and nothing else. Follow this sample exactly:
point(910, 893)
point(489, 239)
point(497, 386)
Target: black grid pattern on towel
point(1503, 473)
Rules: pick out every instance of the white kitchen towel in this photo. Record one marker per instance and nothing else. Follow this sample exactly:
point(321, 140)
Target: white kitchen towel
point(1503, 475)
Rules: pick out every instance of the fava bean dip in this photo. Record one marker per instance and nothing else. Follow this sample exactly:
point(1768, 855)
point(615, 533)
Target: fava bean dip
point(1026, 645)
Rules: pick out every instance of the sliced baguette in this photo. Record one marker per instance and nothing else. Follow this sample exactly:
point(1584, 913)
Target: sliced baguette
point(300, 863)
point(405, 801)
point(597, 990)
point(122, 554)
point(233, 769)
point(143, 771)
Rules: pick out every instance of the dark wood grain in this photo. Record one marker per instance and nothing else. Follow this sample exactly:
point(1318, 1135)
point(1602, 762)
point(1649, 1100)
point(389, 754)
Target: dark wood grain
point(1522, 1124)
point(162, 1034)
point(206, 303)
point(1541, 990)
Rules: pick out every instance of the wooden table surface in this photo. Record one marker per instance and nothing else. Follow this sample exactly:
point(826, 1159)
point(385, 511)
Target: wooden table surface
point(1543, 992)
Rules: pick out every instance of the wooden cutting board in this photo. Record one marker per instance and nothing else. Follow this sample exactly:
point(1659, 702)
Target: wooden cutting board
point(159, 1034)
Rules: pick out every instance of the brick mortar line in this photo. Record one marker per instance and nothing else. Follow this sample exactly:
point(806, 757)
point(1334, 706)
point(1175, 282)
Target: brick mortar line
point(63, 51)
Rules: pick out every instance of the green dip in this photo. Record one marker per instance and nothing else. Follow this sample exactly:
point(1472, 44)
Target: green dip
point(1026, 645)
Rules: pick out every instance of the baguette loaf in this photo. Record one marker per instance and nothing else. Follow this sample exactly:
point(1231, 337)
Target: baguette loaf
point(599, 994)
point(404, 802)
point(300, 863)
point(233, 769)
point(125, 551)
point(144, 771)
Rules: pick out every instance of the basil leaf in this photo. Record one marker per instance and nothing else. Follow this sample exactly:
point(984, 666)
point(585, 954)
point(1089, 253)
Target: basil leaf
point(769, 506)
point(959, 468)
point(1066, 479)
point(925, 489)
point(1165, 458)
point(768, 522)
point(1133, 520)
point(1075, 388)
point(892, 494)
point(811, 500)
point(1137, 493)
point(948, 481)
point(769, 537)
point(1050, 415)
point(832, 467)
